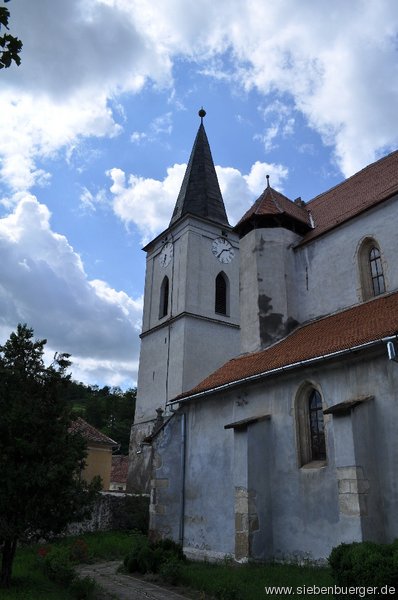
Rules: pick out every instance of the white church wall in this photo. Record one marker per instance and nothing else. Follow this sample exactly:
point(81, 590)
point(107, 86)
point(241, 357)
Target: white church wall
point(268, 311)
point(293, 512)
point(327, 276)
point(183, 347)
point(209, 511)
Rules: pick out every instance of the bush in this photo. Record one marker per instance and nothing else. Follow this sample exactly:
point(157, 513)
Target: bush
point(227, 591)
point(171, 570)
point(145, 557)
point(365, 564)
point(58, 567)
point(79, 551)
point(83, 588)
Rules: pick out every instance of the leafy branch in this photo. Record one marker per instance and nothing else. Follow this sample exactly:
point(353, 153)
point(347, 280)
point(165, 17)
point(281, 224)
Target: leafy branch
point(10, 46)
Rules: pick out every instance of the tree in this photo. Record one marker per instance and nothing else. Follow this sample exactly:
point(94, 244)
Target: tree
point(10, 46)
point(40, 458)
point(109, 409)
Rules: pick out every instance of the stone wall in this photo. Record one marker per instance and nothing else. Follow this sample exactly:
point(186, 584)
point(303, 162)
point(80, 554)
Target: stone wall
point(116, 511)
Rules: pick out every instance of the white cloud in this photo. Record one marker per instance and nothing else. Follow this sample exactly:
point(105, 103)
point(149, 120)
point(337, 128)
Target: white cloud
point(160, 126)
point(89, 201)
point(43, 283)
point(77, 56)
point(148, 203)
point(337, 62)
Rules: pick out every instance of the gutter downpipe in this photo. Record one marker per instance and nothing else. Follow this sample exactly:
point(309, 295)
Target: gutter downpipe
point(277, 370)
point(182, 496)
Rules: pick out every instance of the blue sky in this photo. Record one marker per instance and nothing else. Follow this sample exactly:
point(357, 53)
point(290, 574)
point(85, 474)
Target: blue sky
point(98, 122)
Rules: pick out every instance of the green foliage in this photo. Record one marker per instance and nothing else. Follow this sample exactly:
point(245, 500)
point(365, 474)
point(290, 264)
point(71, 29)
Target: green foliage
point(365, 564)
point(210, 579)
point(40, 458)
point(247, 582)
point(156, 557)
point(108, 409)
point(79, 552)
point(10, 46)
point(83, 588)
point(228, 591)
point(58, 567)
point(171, 570)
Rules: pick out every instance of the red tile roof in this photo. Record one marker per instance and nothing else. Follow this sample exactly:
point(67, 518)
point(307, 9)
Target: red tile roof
point(272, 202)
point(90, 433)
point(365, 189)
point(361, 324)
point(120, 467)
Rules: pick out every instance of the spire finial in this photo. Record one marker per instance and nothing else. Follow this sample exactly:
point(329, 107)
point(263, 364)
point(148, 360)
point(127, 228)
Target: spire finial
point(267, 181)
point(202, 113)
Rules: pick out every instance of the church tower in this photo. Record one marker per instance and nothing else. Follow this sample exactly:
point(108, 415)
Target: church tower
point(268, 233)
point(191, 301)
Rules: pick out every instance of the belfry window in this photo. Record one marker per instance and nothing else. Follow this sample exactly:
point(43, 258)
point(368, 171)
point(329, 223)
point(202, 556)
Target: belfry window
point(164, 298)
point(221, 292)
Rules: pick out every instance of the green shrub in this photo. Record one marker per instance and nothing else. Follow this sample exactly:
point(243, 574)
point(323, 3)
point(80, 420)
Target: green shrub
point(171, 570)
point(58, 566)
point(171, 548)
point(227, 591)
point(365, 564)
point(79, 551)
point(146, 557)
point(83, 588)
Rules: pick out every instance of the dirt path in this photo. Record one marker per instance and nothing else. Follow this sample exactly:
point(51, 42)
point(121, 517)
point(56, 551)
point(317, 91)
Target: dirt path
point(120, 586)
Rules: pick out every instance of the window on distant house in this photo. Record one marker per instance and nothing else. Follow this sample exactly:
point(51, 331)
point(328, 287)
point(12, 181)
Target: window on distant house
point(221, 294)
point(371, 269)
point(164, 298)
point(310, 427)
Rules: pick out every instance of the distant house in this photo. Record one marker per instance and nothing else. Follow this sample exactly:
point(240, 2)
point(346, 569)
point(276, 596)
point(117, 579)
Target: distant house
point(120, 466)
point(99, 452)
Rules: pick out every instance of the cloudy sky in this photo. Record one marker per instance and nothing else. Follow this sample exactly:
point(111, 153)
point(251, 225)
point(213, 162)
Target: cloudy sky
point(97, 124)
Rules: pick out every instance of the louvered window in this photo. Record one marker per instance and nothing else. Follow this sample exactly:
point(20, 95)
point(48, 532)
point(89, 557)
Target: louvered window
point(221, 295)
point(164, 298)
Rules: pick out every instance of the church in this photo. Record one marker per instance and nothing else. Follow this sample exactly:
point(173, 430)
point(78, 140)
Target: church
point(267, 403)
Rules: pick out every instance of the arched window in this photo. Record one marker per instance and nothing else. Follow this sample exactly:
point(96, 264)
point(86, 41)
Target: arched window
point(221, 294)
point(310, 426)
point(317, 426)
point(376, 271)
point(164, 298)
point(371, 269)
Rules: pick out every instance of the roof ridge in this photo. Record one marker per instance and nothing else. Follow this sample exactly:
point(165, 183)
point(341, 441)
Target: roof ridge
point(367, 167)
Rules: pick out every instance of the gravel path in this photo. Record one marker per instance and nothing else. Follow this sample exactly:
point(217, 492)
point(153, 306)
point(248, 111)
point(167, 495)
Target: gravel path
point(119, 586)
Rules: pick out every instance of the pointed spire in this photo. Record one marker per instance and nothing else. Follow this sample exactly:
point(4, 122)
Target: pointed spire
point(200, 192)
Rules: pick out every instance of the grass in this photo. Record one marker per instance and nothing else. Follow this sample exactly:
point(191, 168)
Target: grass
point(247, 582)
point(30, 583)
point(222, 581)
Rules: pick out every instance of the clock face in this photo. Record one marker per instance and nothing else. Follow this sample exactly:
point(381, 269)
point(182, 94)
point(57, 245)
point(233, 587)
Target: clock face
point(166, 255)
point(222, 250)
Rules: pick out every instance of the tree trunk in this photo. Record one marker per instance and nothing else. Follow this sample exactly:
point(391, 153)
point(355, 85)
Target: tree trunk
point(9, 547)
